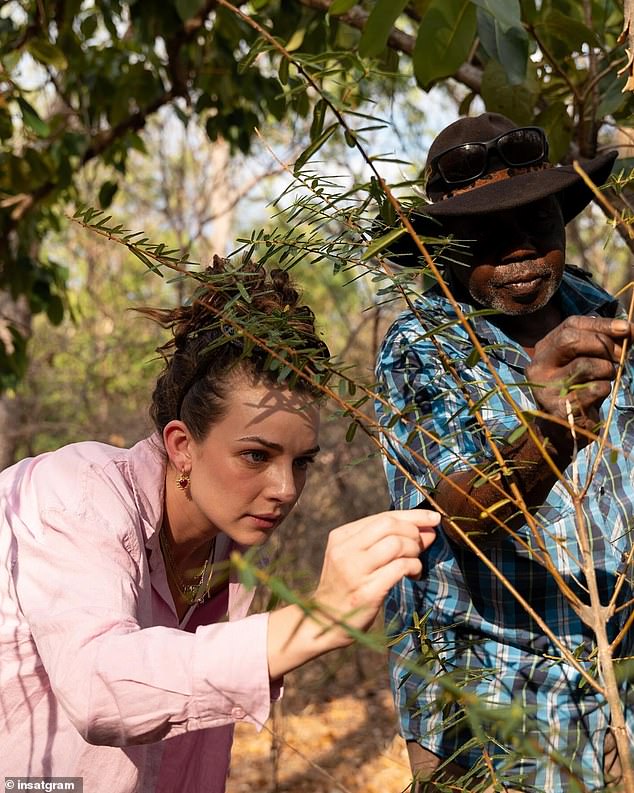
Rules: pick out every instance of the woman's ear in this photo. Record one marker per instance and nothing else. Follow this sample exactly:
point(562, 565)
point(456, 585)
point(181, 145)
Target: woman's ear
point(177, 441)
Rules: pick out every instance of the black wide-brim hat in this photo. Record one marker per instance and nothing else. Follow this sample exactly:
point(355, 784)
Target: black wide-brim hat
point(500, 187)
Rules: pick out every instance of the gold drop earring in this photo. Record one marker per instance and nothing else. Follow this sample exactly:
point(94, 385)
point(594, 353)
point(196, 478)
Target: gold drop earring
point(182, 481)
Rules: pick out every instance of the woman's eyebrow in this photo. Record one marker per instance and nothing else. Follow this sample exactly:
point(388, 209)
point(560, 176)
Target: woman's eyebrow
point(276, 447)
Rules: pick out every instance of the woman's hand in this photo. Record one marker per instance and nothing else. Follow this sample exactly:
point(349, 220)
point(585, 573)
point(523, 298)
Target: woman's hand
point(363, 560)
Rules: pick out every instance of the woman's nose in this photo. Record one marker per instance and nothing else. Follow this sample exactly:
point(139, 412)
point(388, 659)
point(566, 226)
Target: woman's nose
point(283, 485)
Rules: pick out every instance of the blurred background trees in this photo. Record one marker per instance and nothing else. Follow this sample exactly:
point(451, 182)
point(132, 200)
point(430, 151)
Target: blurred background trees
point(101, 98)
point(183, 121)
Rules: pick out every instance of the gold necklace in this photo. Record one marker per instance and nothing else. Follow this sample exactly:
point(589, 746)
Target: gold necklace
point(193, 594)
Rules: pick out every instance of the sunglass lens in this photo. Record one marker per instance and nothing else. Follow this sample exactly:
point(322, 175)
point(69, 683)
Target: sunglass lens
point(463, 163)
point(522, 147)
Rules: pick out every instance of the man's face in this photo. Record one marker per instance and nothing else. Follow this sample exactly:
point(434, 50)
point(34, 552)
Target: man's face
point(511, 261)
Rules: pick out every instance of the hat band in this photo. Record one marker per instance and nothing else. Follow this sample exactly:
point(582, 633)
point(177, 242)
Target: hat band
point(496, 176)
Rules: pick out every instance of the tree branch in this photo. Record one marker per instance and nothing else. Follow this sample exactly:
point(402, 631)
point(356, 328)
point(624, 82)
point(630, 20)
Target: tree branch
point(104, 139)
point(627, 37)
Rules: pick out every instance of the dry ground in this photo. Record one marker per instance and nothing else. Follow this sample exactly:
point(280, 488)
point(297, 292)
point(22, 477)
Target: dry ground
point(335, 733)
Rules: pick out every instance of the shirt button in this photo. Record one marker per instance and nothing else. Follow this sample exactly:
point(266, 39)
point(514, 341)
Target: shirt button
point(237, 713)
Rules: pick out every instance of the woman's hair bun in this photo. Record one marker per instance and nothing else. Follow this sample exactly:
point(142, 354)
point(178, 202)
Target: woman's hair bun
point(238, 315)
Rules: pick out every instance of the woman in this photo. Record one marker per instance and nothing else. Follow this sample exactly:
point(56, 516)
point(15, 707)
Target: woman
point(113, 601)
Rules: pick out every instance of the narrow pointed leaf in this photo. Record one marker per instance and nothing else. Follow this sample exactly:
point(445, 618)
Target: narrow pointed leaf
point(378, 26)
point(382, 242)
point(32, 120)
point(314, 147)
point(340, 7)
point(319, 114)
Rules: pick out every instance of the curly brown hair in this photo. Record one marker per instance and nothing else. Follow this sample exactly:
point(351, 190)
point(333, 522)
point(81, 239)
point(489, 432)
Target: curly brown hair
point(240, 320)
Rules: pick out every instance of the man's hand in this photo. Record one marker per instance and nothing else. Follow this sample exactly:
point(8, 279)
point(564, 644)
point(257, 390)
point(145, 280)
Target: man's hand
point(576, 364)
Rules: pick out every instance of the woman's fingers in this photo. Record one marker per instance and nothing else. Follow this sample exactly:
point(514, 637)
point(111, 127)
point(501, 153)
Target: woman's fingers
point(389, 574)
point(407, 522)
point(361, 554)
point(391, 547)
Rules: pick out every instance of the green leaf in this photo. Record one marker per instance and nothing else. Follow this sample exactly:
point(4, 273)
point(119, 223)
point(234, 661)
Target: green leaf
point(243, 292)
point(45, 52)
point(89, 25)
point(32, 120)
point(514, 101)
point(445, 37)
point(382, 242)
point(508, 45)
point(340, 7)
point(282, 72)
point(529, 11)
point(378, 26)
point(572, 33)
point(517, 433)
point(296, 40)
point(253, 53)
point(558, 126)
point(107, 193)
point(319, 114)
point(506, 13)
point(612, 97)
point(187, 8)
point(352, 429)
point(55, 309)
point(473, 358)
point(314, 147)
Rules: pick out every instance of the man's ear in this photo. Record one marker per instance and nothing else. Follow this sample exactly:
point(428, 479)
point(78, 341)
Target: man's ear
point(177, 441)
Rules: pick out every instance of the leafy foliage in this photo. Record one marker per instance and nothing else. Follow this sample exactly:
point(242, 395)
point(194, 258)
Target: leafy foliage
point(81, 80)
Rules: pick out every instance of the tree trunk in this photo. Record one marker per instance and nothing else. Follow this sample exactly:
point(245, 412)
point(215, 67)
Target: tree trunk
point(18, 313)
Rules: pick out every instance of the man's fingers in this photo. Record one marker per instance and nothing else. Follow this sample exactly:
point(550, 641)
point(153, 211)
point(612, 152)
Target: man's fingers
point(616, 328)
point(585, 370)
point(576, 337)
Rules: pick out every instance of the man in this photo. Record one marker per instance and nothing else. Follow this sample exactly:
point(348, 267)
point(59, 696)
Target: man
point(552, 337)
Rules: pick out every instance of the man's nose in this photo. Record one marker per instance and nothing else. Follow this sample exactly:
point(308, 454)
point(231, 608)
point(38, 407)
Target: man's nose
point(516, 239)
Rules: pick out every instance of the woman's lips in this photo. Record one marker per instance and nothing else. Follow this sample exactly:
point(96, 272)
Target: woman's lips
point(265, 521)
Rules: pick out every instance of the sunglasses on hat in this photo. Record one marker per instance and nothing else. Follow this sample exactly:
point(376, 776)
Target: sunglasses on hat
point(517, 148)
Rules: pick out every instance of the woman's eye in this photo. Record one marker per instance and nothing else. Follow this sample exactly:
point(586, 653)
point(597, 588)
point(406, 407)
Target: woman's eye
point(303, 462)
point(255, 456)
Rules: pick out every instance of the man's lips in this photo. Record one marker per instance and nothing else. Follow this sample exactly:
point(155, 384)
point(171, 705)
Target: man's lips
point(520, 281)
point(524, 286)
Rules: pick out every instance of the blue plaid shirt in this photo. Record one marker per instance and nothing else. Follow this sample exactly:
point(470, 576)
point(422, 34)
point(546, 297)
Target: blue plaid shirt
point(460, 621)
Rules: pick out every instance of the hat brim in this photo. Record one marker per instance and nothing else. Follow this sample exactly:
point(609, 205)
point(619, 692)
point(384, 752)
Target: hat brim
point(561, 181)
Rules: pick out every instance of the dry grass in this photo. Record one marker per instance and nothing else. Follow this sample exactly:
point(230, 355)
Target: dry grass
point(336, 714)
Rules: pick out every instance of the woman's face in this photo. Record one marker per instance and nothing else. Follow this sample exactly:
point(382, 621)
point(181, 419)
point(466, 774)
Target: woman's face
point(250, 469)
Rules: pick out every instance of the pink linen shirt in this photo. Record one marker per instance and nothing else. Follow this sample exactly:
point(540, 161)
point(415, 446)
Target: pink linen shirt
point(95, 669)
